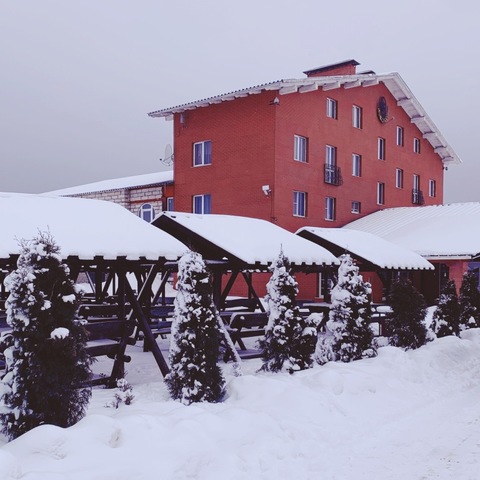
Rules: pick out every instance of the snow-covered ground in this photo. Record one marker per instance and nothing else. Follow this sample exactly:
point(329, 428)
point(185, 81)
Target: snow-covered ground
point(402, 415)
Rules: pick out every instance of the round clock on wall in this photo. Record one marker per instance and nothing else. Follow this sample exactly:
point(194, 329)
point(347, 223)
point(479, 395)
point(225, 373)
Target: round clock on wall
point(382, 110)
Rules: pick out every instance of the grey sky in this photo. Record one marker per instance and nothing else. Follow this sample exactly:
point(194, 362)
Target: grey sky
point(78, 77)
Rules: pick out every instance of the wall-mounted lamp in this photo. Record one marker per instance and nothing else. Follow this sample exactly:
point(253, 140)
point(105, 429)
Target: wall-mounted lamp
point(266, 190)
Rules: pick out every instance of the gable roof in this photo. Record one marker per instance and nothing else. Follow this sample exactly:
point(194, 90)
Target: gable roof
point(393, 81)
point(242, 241)
point(82, 228)
point(145, 180)
point(368, 248)
point(435, 232)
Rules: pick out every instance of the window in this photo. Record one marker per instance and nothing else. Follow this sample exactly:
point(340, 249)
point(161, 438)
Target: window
point(417, 194)
point(299, 204)
point(202, 204)
point(381, 148)
point(356, 165)
point(331, 155)
point(380, 193)
point(416, 145)
point(170, 206)
point(330, 208)
point(331, 108)
point(300, 148)
point(432, 188)
point(202, 153)
point(399, 178)
point(357, 116)
point(400, 136)
point(147, 212)
point(356, 207)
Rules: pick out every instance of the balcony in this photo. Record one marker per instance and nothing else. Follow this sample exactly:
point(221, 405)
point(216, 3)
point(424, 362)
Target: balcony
point(417, 197)
point(333, 175)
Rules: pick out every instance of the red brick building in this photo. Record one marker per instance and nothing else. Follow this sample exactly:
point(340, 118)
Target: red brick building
point(322, 150)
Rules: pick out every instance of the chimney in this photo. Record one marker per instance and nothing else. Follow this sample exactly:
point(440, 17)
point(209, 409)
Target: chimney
point(347, 67)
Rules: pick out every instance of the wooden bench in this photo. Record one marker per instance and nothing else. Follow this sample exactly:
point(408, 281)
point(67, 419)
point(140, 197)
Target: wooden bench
point(244, 325)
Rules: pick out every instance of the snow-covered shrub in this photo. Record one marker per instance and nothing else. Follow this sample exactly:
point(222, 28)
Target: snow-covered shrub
point(469, 301)
point(122, 394)
point(194, 347)
point(445, 320)
point(47, 362)
point(348, 334)
point(408, 313)
point(290, 339)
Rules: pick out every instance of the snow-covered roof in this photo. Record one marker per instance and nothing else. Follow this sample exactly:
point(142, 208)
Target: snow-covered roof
point(117, 183)
point(435, 232)
point(82, 228)
point(249, 240)
point(367, 247)
point(393, 81)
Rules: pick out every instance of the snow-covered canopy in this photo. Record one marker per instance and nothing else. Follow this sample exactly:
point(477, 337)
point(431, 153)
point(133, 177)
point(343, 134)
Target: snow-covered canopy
point(435, 232)
point(82, 228)
point(367, 247)
point(250, 241)
point(116, 183)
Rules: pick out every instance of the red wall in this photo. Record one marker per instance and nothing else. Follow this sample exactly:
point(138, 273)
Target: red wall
point(252, 145)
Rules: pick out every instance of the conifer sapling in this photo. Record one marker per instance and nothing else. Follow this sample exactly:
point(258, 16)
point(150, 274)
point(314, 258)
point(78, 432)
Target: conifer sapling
point(446, 318)
point(47, 362)
point(290, 339)
point(195, 341)
point(348, 334)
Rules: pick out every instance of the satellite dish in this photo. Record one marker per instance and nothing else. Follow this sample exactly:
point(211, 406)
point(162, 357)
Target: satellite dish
point(168, 158)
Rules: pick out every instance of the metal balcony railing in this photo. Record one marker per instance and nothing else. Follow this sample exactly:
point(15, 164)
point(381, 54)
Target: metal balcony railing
point(333, 175)
point(417, 197)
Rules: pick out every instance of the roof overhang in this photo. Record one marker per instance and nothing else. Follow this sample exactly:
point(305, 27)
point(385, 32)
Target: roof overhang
point(371, 251)
point(393, 82)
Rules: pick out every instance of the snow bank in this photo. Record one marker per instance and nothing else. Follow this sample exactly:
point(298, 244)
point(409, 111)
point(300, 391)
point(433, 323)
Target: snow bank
point(402, 415)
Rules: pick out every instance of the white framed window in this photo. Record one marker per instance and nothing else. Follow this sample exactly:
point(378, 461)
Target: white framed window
point(147, 212)
point(300, 148)
point(356, 207)
point(416, 145)
point(399, 178)
point(356, 116)
point(330, 155)
point(380, 193)
point(331, 108)
point(432, 188)
point(202, 153)
point(299, 204)
point(381, 148)
point(202, 204)
point(400, 136)
point(329, 208)
point(356, 165)
point(416, 181)
point(170, 204)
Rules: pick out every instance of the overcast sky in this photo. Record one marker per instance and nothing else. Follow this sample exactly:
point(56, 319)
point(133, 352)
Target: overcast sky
point(78, 77)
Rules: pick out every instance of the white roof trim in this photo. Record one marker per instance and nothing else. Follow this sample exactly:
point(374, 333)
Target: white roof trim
point(393, 81)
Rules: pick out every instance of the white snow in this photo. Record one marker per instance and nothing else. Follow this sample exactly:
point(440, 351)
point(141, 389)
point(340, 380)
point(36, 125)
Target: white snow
point(370, 247)
point(253, 240)
point(117, 183)
point(401, 416)
point(83, 228)
point(60, 332)
point(451, 230)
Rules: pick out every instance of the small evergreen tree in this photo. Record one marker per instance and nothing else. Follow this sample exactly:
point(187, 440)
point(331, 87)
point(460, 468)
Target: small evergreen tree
point(47, 359)
point(194, 348)
point(469, 301)
point(349, 336)
point(445, 319)
point(408, 313)
point(290, 339)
